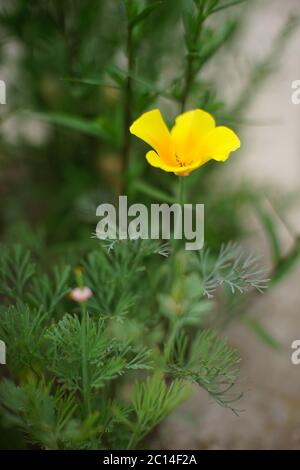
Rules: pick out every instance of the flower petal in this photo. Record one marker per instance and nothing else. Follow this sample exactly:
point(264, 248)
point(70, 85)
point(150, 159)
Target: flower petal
point(189, 131)
point(151, 128)
point(219, 144)
point(155, 160)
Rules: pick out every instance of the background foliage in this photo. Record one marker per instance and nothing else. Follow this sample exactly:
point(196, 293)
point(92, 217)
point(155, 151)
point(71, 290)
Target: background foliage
point(104, 374)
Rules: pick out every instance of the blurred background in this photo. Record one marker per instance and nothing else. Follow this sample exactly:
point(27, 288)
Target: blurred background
point(64, 149)
point(271, 416)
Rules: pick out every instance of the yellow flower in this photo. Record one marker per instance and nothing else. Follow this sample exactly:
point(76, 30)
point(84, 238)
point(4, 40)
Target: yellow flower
point(193, 141)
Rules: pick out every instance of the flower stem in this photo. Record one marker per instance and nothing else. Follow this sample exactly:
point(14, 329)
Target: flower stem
point(84, 363)
point(181, 181)
point(173, 322)
point(180, 201)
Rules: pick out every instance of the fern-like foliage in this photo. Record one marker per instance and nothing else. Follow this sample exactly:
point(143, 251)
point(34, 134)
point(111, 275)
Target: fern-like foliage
point(72, 367)
point(50, 290)
point(117, 275)
point(22, 330)
point(16, 269)
point(231, 268)
point(209, 362)
point(152, 402)
point(106, 358)
point(47, 416)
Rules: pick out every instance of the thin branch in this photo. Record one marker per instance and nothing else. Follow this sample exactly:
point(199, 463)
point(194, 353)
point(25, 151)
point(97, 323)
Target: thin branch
point(226, 5)
point(287, 263)
point(189, 69)
point(128, 98)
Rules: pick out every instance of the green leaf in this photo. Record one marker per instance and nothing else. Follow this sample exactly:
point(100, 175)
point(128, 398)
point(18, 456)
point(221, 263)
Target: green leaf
point(226, 5)
point(153, 192)
point(286, 264)
point(262, 333)
point(213, 40)
point(209, 362)
point(120, 76)
point(46, 292)
point(16, 270)
point(189, 16)
point(45, 418)
point(106, 359)
point(232, 268)
point(90, 127)
point(270, 228)
point(91, 81)
point(143, 15)
point(22, 329)
point(153, 400)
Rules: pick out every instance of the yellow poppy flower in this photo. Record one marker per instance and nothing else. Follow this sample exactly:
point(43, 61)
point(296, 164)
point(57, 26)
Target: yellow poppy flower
point(193, 141)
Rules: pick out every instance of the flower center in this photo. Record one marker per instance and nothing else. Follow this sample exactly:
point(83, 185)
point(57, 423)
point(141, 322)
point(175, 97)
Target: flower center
point(181, 163)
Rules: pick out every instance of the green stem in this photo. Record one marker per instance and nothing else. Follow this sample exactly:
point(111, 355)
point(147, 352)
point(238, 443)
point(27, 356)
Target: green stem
point(180, 200)
point(189, 69)
point(128, 98)
point(181, 185)
point(286, 264)
point(84, 363)
point(133, 440)
point(172, 333)
point(172, 329)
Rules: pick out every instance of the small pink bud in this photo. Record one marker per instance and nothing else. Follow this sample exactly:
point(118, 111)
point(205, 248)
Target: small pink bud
point(81, 294)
